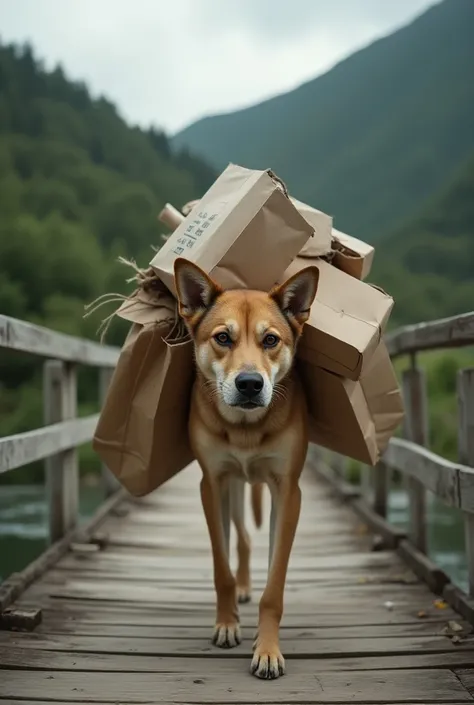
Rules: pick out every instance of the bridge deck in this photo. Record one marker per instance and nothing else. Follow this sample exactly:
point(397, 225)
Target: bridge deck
point(130, 623)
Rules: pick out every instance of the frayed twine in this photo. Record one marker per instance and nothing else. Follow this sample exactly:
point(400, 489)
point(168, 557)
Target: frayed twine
point(147, 281)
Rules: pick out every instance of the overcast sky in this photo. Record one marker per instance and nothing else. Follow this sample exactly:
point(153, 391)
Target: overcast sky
point(169, 62)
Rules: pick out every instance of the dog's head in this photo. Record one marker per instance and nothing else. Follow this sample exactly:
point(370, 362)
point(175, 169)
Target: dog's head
point(244, 340)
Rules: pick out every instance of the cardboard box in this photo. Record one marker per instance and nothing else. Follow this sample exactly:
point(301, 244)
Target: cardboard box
point(353, 256)
point(346, 322)
point(355, 419)
point(320, 243)
point(244, 233)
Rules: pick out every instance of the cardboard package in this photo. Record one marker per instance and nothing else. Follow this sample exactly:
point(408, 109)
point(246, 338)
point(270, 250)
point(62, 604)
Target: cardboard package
point(346, 322)
point(142, 433)
point(355, 419)
point(244, 233)
point(320, 243)
point(353, 256)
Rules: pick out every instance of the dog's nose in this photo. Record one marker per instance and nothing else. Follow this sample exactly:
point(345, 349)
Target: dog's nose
point(249, 383)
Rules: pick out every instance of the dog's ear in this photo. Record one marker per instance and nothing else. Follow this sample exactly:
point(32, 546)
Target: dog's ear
point(296, 295)
point(196, 290)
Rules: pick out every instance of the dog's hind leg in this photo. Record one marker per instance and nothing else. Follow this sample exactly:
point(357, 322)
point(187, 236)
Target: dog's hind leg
point(237, 504)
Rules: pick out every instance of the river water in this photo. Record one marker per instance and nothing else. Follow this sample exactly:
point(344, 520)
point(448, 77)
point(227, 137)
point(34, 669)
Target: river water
point(23, 528)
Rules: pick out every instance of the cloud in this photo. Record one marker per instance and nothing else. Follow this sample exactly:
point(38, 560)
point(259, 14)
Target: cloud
point(170, 63)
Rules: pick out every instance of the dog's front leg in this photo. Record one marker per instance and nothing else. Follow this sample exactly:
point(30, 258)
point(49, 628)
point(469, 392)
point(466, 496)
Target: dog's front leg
point(268, 661)
point(227, 629)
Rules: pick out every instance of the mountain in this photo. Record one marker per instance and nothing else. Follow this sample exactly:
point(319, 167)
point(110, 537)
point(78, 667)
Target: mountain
point(428, 263)
point(374, 137)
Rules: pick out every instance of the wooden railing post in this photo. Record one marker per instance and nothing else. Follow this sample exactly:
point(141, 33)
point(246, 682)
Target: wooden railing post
point(465, 389)
point(109, 481)
point(380, 477)
point(62, 472)
point(416, 430)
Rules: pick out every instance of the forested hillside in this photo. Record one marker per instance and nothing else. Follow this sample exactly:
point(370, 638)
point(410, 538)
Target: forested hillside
point(78, 187)
point(428, 264)
point(372, 139)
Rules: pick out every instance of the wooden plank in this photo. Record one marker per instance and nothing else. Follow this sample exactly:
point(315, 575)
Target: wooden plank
point(71, 616)
point(294, 648)
point(167, 566)
point(423, 685)
point(155, 594)
point(442, 477)
point(419, 627)
point(24, 448)
point(467, 679)
point(204, 580)
point(444, 333)
point(368, 610)
point(39, 660)
point(37, 340)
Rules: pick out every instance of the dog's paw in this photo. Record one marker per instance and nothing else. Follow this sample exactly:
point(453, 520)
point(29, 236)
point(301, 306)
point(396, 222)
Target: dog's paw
point(268, 662)
point(244, 594)
point(226, 636)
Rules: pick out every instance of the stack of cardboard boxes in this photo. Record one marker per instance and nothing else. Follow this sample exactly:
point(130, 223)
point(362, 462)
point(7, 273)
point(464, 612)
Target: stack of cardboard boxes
point(246, 231)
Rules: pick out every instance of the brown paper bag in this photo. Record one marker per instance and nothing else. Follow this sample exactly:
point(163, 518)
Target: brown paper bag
point(244, 233)
point(355, 419)
point(142, 433)
point(353, 256)
point(346, 322)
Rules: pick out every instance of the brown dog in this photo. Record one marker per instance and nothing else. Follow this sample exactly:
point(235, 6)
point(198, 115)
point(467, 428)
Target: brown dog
point(248, 424)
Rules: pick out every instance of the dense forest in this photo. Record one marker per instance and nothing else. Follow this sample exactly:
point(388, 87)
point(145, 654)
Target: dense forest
point(374, 137)
point(78, 187)
point(428, 263)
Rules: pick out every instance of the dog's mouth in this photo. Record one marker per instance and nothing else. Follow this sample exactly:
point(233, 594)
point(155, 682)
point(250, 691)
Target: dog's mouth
point(248, 404)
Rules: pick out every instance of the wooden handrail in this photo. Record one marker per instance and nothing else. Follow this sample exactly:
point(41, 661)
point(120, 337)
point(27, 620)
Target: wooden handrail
point(37, 340)
point(57, 441)
point(452, 482)
point(453, 332)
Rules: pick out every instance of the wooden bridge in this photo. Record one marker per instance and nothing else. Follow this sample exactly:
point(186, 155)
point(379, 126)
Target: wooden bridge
point(120, 610)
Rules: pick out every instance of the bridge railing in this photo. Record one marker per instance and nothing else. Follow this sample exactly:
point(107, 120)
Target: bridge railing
point(57, 441)
point(423, 470)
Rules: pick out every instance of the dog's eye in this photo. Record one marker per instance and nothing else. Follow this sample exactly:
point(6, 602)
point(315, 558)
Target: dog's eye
point(270, 341)
point(223, 339)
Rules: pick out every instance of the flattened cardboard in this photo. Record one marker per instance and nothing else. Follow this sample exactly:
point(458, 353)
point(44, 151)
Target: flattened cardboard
point(346, 322)
point(355, 419)
point(244, 233)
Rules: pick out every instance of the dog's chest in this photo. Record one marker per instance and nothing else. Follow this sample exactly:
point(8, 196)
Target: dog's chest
point(250, 465)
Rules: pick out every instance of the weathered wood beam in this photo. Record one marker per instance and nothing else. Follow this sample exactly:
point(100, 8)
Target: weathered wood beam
point(444, 333)
point(24, 448)
point(29, 338)
point(451, 482)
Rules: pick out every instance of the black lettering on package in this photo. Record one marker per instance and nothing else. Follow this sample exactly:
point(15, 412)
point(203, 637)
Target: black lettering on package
point(194, 231)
